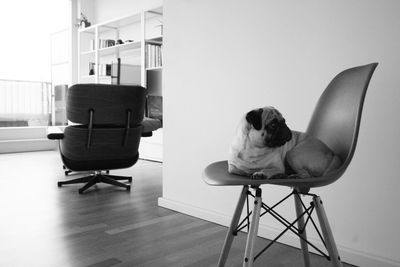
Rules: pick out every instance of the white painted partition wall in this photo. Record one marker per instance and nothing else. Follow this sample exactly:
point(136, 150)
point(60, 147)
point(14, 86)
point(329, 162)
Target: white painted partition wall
point(223, 58)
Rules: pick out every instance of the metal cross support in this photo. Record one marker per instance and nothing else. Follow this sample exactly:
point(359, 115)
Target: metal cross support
point(304, 218)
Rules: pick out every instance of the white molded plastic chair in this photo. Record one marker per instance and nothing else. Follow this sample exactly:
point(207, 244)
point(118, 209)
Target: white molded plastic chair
point(335, 121)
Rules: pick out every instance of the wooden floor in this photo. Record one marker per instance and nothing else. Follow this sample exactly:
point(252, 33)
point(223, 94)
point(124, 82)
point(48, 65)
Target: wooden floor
point(43, 225)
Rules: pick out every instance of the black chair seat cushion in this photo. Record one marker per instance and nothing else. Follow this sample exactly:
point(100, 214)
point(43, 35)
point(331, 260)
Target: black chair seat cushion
point(93, 165)
point(109, 148)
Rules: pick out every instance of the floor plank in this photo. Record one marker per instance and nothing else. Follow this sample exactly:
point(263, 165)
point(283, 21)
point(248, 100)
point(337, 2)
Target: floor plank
point(43, 225)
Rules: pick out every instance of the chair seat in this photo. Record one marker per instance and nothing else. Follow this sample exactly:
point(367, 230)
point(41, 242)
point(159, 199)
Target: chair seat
point(217, 174)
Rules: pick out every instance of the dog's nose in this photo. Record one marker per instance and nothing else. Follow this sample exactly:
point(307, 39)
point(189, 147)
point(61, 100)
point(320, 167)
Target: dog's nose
point(289, 134)
point(285, 133)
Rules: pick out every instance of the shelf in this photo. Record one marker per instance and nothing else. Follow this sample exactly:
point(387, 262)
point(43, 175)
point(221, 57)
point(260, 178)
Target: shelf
point(93, 77)
point(155, 40)
point(155, 68)
point(90, 30)
point(119, 48)
point(87, 52)
point(121, 21)
point(112, 24)
point(114, 48)
point(104, 77)
point(88, 77)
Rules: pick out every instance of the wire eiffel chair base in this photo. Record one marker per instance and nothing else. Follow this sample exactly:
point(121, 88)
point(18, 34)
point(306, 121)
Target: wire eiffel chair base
point(304, 217)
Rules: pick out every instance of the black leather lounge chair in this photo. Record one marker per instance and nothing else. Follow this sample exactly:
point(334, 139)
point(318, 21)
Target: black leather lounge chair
point(106, 131)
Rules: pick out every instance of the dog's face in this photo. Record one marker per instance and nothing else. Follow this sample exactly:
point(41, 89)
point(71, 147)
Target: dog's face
point(267, 128)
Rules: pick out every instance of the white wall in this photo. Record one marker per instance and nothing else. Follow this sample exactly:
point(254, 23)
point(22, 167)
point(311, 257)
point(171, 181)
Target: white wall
point(107, 10)
point(223, 58)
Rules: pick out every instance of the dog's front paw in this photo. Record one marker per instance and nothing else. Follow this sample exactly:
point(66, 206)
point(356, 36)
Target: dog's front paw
point(259, 176)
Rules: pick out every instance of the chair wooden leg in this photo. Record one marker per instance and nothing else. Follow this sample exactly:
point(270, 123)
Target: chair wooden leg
point(327, 233)
point(303, 234)
point(232, 228)
point(252, 234)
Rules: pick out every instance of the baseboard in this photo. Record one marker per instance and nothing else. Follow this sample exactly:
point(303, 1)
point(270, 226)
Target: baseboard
point(348, 255)
point(26, 145)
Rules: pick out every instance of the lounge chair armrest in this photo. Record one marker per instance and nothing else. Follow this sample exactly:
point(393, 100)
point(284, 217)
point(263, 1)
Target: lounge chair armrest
point(54, 133)
point(150, 125)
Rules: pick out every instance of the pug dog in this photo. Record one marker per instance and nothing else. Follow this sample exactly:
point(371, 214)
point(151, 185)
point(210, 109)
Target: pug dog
point(265, 148)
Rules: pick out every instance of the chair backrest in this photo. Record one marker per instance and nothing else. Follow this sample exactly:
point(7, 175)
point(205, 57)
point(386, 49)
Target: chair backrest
point(336, 118)
point(109, 126)
point(110, 103)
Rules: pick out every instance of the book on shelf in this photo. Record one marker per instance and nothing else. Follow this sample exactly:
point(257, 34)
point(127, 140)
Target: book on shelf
point(92, 66)
point(104, 69)
point(103, 43)
point(153, 56)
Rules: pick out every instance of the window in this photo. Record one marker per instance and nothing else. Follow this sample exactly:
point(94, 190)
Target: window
point(25, 52)
point(26, 84)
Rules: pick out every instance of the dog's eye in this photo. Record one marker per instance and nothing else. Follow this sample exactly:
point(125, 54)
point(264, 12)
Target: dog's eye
point(273, 125)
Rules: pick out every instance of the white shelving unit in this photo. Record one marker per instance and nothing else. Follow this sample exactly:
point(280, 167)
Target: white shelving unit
point(136, 31)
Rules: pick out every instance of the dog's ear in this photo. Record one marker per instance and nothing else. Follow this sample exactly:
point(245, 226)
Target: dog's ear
point(254, 117)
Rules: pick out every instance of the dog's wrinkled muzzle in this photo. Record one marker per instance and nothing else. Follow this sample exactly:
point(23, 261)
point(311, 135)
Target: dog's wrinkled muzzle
point(280, 137)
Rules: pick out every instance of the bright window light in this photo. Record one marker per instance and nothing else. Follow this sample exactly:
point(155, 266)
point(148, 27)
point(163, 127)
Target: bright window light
point(25, 28)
